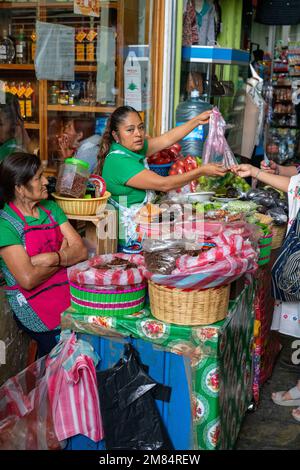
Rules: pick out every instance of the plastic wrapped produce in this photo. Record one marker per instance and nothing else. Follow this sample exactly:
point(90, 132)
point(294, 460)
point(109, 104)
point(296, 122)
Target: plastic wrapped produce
point(161, 255)
point(278, 215)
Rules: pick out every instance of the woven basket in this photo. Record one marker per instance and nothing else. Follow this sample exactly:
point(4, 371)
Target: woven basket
point(263, 218)
point(108, 302)
point(194, 307)
point(162, 170)
point(82, 206)
point(279, 232)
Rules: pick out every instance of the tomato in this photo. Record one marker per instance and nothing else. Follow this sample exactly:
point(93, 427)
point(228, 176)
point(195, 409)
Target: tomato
point(190, 163)
point(152, 159)
point(162, 161)
point(176, 146)
point(172, 154)
point(172, 172)
point(180, 170)
point(180, 164)
point(165, 155)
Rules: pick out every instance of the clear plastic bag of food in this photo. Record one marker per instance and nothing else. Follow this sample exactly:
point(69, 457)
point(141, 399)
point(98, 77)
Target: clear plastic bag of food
point(161, 255)
point(216, 148)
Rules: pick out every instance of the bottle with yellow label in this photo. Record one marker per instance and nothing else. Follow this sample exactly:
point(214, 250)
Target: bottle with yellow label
point(80, 45)
point(91, 43)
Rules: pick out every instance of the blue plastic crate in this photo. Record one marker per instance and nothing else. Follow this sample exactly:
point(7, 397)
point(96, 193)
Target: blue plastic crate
point(162, 170)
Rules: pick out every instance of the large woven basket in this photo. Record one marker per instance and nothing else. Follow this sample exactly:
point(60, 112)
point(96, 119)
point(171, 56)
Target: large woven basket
point(108, 302)
point(193, 307)
point(279, 232)
point(82, 206)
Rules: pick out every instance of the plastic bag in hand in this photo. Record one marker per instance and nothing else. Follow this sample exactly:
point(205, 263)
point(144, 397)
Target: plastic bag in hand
point(216, 148)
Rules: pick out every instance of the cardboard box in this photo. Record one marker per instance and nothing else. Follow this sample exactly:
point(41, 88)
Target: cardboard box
point(136, 76)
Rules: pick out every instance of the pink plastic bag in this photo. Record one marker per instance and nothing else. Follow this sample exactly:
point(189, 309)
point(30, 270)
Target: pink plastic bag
point(216, 148)
point(25, 414)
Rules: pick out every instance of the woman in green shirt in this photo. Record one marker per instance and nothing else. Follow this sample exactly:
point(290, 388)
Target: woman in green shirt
point(122, 163)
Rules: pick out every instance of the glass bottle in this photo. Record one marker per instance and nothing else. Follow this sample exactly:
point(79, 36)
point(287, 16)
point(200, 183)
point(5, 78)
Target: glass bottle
point(7, 50)
point(91, 91)
point(21, 47)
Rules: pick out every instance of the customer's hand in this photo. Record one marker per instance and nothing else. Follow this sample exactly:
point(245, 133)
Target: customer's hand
point(244, 170)
point(213, 169)
point(272, 168)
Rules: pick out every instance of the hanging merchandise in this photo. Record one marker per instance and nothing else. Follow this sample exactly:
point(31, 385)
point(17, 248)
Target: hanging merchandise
point(199, 23)
point(253, 115)
point(216, 148)
point(192, 144)
point(127, 398)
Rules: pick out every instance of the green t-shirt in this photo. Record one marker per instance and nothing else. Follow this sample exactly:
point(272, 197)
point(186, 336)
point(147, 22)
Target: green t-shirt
point(120, 165)
point(10, 146)
point(9, 235)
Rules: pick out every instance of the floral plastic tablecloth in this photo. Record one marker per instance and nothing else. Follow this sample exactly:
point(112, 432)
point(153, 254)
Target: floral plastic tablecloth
point(221, 362)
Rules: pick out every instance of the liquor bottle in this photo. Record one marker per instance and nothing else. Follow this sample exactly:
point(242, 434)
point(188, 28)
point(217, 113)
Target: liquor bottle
point(91, 43)
point(7, 50)
point(32, 46)
point(21, 48)
point(80, 46)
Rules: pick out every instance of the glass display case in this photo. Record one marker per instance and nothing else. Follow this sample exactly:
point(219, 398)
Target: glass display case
point(220, 75)
point(114, 64)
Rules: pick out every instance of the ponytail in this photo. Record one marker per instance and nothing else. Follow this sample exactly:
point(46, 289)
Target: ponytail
point(112, 126)
point(105, 144)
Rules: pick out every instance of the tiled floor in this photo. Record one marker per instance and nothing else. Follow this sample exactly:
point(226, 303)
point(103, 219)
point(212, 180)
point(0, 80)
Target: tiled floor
point(271, 426)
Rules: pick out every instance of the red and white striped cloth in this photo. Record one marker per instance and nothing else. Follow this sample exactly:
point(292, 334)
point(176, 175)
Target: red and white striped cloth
point(73, 393)
point(86, 274)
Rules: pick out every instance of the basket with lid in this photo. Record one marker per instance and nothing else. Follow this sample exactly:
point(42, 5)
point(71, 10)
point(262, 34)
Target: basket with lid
point(72, 178)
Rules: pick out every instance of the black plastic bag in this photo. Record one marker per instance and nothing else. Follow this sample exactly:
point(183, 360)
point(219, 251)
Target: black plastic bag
point(130, 416)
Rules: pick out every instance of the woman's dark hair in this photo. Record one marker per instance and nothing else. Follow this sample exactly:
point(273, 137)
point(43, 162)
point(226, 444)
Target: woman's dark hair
point(11, 111)
point(17, 170)
point(117, 117)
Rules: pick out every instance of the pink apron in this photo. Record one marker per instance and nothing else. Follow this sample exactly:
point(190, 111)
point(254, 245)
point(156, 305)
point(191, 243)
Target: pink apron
point(52, 297)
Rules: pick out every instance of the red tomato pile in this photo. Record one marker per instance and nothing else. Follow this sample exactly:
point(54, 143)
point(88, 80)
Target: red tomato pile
point(185, 165)
point(165, 156)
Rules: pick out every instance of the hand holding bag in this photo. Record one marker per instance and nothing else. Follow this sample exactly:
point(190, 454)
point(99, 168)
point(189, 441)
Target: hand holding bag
point(286, 269)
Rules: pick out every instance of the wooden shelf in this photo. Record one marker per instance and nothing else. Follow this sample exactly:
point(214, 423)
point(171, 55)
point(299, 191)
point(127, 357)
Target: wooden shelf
point(80, 109)
point(31, 125)
point(18, 5)
point(85, 68)
point(16, 66)
point(66, 5)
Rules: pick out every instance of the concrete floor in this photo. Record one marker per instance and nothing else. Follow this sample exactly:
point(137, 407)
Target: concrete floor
point(271, 426)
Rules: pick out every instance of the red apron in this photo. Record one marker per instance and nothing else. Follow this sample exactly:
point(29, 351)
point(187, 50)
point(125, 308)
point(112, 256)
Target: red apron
point(52, 297)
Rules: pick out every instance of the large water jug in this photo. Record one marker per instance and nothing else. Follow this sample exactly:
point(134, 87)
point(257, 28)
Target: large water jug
point(192, 144)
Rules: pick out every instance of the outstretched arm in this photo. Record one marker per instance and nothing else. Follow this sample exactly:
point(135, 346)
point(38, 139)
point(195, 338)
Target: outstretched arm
point(147, 179)
point(155, 144)
point(278, 182)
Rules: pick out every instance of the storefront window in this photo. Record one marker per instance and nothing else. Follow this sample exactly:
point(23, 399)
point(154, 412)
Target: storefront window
point(104, 55)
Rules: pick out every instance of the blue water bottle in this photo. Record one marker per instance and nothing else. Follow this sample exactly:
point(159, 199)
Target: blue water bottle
point(192, 144)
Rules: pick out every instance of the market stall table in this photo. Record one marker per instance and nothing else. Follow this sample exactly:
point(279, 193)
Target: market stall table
point(208, 367)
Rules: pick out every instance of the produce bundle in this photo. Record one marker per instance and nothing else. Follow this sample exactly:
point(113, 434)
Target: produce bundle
point(270, 202)
point(229, 185)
